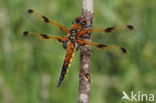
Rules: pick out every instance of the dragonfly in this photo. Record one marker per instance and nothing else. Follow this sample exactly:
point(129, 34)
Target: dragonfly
point(73, 38)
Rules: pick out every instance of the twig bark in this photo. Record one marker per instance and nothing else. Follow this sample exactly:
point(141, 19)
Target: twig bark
point(85, 53)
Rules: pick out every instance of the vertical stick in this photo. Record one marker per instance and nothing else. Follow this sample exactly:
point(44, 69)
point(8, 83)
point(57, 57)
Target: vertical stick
point(85, 53)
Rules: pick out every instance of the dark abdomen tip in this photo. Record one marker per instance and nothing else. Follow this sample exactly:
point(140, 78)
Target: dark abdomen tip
point(59, 84)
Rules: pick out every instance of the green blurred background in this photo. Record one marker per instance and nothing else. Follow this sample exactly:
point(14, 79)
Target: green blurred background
point(30, 67)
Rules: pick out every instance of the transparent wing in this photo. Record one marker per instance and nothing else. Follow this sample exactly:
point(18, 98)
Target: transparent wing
point(103, 46)
point(45, 36)
point(115, 28)
point(47, 20)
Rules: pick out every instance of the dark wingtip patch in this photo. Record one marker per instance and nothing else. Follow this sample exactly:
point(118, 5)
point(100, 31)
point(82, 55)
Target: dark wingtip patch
point(30, 11)
point(25, 33)
point(130, 27)
point(45, 36)
point(123, 50)
point(109, 29)
point(45, 19)
point(101, 45)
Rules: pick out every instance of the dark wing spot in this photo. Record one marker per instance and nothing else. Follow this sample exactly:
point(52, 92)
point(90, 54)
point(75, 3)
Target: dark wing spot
point(64, 43)
point(45, 36)
point(30, 11)
point(45, 19)
point(130, 27)
point(25, 33)
point(109, 29)
point(123, 50)
point(60, 40)
point(101, 45)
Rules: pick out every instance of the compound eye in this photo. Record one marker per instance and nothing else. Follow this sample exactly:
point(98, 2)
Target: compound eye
point(77, 20)
point(84, 22)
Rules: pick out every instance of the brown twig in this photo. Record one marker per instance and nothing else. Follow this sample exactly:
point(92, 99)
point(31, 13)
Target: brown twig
point(85, 53)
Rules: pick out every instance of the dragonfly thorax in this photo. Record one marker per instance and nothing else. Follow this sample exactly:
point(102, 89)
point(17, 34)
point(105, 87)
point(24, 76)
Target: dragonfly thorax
point(73, 35)
point(72, 38)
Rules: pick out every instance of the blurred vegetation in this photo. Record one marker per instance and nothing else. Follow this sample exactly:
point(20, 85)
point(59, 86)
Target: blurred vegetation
point(30, 67)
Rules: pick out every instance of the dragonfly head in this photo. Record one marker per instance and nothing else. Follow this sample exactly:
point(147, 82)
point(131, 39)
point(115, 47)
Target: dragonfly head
point(81, 21)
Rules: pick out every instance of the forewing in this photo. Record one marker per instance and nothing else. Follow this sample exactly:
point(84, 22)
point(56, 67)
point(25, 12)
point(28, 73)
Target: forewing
point(49, 21)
